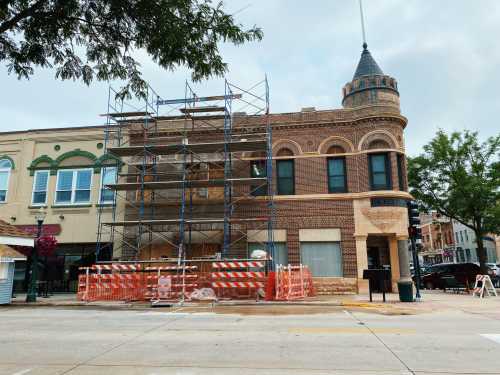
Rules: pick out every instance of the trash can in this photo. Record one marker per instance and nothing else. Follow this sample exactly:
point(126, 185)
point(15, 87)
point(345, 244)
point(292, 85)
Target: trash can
point(405, 289)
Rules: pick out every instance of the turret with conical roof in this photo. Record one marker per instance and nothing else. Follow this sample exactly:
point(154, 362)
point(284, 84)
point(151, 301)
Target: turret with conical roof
point(370, 85)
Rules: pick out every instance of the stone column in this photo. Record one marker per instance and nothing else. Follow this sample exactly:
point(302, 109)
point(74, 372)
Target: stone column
point(394, 257)
point(405, 283)
point(362, 262)
point(404, 260)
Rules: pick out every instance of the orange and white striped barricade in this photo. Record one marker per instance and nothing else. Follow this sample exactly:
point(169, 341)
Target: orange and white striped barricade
point(483, 284)
point(182, 280)
point(233, 280)
point(116, 267)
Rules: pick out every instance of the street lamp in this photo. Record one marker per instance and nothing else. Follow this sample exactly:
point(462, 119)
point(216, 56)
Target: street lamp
point(32, 292)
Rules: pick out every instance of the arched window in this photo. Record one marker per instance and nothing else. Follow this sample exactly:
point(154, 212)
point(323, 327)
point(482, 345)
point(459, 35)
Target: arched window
point(285, 152)
point(5, 168)
point(335, 149)
point(285, 173)
point(378, 144)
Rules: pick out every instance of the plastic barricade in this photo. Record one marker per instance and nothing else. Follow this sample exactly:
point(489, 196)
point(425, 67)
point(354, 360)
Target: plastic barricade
point(293, 282)
point(235, 280)
point(171, 283)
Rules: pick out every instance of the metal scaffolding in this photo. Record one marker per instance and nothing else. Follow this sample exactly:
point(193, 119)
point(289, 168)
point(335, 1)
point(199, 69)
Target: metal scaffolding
point(194, 173)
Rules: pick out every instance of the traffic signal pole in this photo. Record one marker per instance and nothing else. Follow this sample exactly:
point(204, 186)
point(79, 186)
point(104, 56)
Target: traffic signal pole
point(416, 266)
point(415, 234)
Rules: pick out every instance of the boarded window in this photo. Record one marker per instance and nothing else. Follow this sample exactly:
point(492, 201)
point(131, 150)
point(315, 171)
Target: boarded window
point(335, 149)
point(378, 144)
point(285, 152)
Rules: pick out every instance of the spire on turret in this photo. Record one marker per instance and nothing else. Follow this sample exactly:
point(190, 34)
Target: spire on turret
point(369, 86)
point(367, 66)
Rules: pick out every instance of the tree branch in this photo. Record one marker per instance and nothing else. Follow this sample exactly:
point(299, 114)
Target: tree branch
point(28, 12)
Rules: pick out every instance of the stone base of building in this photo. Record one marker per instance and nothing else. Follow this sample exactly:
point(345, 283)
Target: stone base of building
point(335, 285)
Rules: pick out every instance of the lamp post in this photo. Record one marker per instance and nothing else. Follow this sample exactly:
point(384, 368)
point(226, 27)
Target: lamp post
point(32, 292)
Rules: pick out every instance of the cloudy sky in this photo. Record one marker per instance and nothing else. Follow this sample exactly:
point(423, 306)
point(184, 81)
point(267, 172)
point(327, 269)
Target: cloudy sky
point(444, 54)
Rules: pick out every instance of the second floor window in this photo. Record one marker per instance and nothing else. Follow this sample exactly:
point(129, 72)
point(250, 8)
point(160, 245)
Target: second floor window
point(73, 186)
point(380, 172)
point(108, 176)
point(285, 177)
point(5, 167)
point(337, 177)
point(40, 186)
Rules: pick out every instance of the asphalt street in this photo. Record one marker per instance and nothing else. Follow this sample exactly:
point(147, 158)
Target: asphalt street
point(85, 341)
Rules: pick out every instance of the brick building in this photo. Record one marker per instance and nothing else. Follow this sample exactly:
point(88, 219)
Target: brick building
point(350, 182)
point(340, 182)
point(438, 241)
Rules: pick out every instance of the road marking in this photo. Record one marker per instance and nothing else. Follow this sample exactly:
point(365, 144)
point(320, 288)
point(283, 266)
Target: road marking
point(23, 372)
point(361, 330)
point(492, 336)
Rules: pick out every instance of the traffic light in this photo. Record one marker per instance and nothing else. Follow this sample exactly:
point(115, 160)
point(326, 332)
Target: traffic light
point(414, 229)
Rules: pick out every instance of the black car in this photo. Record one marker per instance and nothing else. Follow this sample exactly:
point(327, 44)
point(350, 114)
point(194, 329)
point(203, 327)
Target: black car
point(464, 273)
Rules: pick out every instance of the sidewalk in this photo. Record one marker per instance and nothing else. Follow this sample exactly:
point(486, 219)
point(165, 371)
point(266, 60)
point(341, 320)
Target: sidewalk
point(432, 301)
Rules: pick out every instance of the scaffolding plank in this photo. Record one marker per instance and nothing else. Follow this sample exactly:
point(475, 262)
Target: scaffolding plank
point(127, 114)
point(131, 223)
point(208, 117)
point(153, 185)
point(198, 99)
point(197, 148)
point(203, 109)
point(196, 161)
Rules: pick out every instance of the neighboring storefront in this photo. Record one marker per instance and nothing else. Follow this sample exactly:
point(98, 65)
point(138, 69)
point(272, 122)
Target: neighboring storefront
point(62, 171)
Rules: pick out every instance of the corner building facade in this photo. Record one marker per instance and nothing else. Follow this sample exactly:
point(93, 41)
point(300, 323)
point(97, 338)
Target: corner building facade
point(347, 211)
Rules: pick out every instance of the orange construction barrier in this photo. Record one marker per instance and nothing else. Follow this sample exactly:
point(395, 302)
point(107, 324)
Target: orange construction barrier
point(293, 282)
point(135, 282)
point(111, 286)
point(167, 283)
point(234, 280)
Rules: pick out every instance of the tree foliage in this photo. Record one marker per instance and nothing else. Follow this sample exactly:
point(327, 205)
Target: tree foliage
point(458, 176)
point(96, 39)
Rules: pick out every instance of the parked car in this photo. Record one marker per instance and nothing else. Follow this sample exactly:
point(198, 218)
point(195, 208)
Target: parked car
point(495, 268)
point(495, 273)
point(464, 273)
